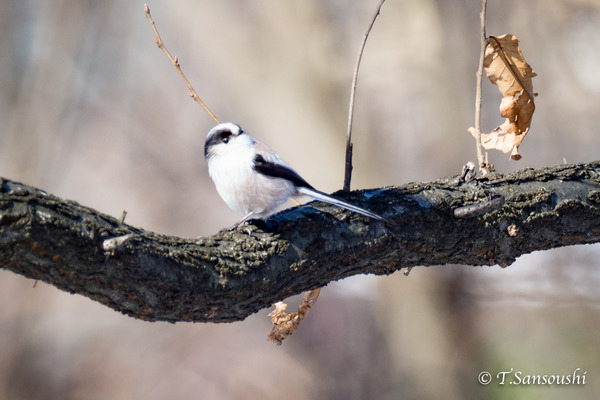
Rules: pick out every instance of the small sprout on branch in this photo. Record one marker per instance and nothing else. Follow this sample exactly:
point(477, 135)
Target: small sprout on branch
point(468, 173)
point(123, 215)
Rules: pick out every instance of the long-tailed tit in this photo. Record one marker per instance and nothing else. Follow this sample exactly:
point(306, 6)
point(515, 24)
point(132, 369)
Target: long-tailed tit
point(252, 179)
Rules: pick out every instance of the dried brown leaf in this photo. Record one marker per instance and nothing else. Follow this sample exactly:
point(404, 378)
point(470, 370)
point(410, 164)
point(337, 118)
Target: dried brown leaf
point(507, 69)
point(287, 323)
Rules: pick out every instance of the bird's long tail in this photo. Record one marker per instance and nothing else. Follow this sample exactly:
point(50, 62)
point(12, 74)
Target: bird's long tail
point(317, 195)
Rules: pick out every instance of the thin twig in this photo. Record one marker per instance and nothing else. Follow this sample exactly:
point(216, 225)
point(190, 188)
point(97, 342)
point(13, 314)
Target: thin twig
point(484, 43)
point(348, 169)
point(175, 62)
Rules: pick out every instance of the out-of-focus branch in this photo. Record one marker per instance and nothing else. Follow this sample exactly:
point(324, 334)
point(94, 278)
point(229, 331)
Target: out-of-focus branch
point(348, 164)
point(232, 274)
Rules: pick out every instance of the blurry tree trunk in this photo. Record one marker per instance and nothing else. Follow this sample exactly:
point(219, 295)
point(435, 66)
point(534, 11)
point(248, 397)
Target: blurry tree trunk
point(230, 275)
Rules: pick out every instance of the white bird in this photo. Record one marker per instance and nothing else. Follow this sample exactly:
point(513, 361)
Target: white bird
point(252, 179)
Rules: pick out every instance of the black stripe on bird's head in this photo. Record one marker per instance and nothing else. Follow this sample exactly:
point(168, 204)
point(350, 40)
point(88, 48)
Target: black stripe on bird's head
point(221, 133)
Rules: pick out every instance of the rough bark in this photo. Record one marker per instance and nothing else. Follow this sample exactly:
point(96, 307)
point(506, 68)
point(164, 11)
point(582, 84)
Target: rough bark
point(232, 274)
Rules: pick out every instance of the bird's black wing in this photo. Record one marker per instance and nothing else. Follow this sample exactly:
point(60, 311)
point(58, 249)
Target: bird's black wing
point(275, 170)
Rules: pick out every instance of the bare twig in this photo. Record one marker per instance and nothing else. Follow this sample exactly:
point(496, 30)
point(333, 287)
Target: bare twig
point(484, 43)
point(348, 169)
point(175, 62)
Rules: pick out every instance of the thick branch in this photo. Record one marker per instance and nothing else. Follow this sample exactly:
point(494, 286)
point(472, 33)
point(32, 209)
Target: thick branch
point(230, 275)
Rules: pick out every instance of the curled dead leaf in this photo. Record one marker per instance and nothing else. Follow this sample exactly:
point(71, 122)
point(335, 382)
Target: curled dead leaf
point(285, 324)
point(506, 68)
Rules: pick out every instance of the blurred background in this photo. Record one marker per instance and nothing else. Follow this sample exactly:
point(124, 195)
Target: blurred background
point(92, 111)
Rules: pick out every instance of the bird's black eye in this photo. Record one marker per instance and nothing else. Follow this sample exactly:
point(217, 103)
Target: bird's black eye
point(226, 137)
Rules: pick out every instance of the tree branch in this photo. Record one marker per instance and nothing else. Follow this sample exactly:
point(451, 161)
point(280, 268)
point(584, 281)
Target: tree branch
point(348, 164)
point(230, 275)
